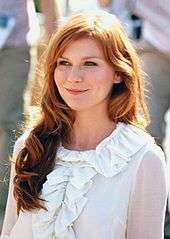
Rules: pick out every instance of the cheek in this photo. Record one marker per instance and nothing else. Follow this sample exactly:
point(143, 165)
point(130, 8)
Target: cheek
point(59, 77)
point(104, 80)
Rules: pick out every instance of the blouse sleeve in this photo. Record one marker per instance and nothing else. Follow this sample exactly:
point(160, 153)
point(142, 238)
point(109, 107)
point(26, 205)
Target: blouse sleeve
point(11, 207)
point(148, 199)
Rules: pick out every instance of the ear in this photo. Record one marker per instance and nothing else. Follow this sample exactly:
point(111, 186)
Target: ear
point(117, 79)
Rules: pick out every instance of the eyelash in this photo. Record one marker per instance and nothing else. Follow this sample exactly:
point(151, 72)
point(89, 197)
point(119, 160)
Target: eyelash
point(87, 63)
point(62, 62)
point(92, 63)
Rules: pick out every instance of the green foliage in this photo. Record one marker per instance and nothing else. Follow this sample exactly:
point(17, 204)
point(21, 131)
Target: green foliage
point(37, 5)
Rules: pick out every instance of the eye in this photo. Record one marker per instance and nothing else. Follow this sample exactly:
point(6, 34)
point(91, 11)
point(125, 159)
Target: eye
point(90, 63)
point(63, 63)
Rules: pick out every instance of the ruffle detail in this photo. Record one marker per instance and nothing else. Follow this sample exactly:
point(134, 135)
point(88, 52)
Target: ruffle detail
point(64, 193)
point(72, 177)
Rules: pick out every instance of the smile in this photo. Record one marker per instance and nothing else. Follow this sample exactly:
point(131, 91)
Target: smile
point(76, 91)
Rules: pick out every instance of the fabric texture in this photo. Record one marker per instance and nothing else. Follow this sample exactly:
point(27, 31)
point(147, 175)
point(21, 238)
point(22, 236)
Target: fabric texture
point(5, 237)
point(109, 192)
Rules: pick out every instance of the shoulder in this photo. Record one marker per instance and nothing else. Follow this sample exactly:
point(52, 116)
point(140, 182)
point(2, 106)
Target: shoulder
point(153, 160)
point(137, 143)
point(150, 152)
point(19, 145)
point(151, 175)
point(130, 139)
point(152, 170)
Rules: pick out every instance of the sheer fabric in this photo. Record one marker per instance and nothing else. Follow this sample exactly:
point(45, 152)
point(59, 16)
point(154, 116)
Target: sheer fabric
point(116, 191)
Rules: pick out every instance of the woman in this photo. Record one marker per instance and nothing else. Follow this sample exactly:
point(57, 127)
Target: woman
point(88, 169)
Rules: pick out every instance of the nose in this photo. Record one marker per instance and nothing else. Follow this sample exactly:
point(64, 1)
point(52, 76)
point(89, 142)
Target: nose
point(74, 74)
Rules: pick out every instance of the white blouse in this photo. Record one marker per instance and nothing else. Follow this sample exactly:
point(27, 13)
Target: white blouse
point(117, 191)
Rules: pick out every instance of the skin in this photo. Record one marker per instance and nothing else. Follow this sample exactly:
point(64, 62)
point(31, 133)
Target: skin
point(84, 80)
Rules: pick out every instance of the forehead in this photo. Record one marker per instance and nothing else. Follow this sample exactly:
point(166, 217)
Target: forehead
point(84, 46)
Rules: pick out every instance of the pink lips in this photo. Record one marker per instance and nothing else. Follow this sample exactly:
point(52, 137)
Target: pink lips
point(75, 91)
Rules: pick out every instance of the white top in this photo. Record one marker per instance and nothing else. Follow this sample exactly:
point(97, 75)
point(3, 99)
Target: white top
point(116, 191)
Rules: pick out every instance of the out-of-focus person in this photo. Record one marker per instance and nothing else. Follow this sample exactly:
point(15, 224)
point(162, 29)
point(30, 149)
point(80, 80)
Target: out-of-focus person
point(154, 49)
point(49, 14)
point(125, 11)
point(19, 31)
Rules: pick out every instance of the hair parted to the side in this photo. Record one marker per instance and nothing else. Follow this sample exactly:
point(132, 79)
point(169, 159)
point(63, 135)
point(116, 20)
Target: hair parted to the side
point(126, 103)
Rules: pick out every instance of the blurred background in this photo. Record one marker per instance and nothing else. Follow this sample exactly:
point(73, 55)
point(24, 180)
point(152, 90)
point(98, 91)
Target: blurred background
point(25, 29)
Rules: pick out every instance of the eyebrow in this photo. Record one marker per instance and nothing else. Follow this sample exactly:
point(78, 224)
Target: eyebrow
point(85, 58)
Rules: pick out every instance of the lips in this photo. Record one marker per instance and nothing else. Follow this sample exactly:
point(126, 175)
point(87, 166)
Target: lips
point(76, 91)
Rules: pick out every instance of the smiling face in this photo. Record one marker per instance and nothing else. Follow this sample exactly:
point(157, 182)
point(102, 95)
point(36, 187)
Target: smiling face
point(83, 77)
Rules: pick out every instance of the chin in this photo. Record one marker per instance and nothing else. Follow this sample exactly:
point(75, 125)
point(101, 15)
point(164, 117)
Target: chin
point(79, 107)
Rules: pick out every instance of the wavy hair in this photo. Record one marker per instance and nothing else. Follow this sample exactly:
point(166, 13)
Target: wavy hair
point(126, 103)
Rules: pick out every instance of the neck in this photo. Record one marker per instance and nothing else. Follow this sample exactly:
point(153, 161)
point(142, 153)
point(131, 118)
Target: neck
point(90, 128)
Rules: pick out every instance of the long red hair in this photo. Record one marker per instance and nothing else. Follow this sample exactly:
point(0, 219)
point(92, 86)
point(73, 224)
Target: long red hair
point(126, 104)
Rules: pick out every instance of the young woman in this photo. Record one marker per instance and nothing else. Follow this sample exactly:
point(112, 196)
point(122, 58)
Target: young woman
point(88, 169)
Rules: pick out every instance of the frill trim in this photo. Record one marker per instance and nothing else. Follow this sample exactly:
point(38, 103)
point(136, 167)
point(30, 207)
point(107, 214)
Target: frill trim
point(72, 177)
point(5, 237)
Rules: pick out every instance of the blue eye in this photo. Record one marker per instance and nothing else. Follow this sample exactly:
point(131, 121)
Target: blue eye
point(90, 63)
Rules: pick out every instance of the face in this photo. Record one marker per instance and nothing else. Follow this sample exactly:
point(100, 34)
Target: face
point(83, 77)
